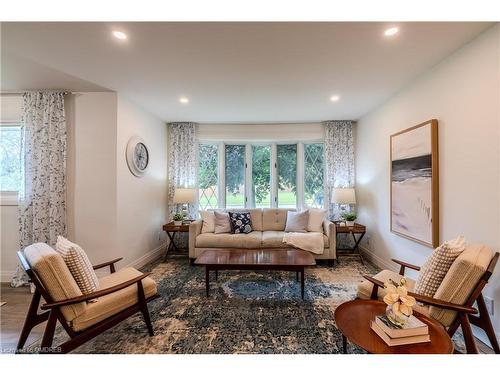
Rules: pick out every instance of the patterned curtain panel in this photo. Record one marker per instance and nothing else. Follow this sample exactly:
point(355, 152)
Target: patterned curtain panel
point(339, 159)
point(42, 198)
point(182, 145)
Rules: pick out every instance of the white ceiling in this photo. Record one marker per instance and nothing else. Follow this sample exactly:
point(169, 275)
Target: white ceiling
point(231, 72)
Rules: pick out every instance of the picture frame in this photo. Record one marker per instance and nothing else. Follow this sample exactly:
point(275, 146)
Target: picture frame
point(414, 183)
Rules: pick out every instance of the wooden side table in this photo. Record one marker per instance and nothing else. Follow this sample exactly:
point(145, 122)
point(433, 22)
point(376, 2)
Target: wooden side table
point(171, 230)
point(353, 320)
point(356, 229)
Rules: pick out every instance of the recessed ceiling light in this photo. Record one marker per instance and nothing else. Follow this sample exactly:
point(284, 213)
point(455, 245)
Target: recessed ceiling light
point(184, 100)
point(391, 31)
point(334, 98)
point(119, 35)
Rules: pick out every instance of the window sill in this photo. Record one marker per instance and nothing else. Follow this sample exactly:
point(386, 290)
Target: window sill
point(9, 198)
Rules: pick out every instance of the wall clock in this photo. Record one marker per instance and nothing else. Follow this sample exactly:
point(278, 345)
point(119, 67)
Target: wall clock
point(137, 156)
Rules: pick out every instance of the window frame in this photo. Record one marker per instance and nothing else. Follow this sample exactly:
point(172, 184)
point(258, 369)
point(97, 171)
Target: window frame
point(10, 197)
point(249, 203)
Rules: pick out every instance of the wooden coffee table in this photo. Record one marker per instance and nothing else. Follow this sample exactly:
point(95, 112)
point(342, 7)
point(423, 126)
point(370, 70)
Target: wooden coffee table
point(353, 320)
point(260, 259)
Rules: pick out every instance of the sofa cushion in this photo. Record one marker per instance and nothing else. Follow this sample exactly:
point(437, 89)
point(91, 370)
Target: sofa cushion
point(274, 218)
point(365, 287)
point(113, 303)
point(297, 221)
point(251, 240)
point(461, 279)
point(274, 239)
point(55, 277)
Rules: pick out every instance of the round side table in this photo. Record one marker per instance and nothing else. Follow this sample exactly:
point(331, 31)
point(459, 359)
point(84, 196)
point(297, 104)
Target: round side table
point(353, 320)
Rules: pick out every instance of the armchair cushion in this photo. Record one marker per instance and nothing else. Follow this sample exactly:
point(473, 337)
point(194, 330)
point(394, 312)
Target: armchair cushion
point(79, 265)
point(113, 303)
point(55, 277)
point(461, 279)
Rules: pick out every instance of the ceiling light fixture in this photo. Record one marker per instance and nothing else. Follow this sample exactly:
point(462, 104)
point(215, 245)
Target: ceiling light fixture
point(183, 100)
point(119, 35)
point(334, 98)
point(391, 31)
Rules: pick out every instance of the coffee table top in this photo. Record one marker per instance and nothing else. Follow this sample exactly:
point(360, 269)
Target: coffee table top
point(353, 319)
point(248, 257)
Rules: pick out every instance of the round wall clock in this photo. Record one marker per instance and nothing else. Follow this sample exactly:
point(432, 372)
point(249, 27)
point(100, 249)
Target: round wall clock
point(137, 156)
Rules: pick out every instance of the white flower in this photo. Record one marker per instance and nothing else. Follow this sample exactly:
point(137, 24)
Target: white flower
point(397, 297)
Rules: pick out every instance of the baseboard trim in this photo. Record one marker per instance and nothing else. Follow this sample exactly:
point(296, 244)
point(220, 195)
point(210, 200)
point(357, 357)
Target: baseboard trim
point(6, 276)
point(149, 257)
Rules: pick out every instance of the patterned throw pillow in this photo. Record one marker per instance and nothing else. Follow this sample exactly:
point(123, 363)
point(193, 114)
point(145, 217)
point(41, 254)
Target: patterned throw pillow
point(241, 222)
point(437, 265)
point(79, 265)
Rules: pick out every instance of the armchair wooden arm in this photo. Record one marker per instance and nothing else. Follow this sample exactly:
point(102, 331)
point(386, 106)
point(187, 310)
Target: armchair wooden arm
point(97, 294)
point(405, 265)
point(110, 263)
point(423, 299)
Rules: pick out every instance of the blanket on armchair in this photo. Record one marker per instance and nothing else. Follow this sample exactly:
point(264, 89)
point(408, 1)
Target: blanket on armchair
point(310, 241)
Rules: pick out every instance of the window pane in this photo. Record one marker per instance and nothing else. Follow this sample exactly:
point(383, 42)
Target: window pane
point(313, 175)
point(287, 175)
point(10, 158)
point(261, 175)
point(207, 178)
point(235, 176)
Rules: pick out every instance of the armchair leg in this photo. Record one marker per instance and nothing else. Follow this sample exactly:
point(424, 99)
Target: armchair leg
point(50, 329)
point(32, 320)
point(470, 344)
point(144, 308)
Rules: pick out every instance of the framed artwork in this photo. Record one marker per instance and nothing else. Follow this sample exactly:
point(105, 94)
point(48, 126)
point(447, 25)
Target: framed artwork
point(415, 183)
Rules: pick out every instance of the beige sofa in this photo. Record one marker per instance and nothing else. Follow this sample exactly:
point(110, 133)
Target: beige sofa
point(268, 229)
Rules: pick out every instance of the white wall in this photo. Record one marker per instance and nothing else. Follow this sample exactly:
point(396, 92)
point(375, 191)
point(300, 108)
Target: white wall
point(462, 93)
point(142, 202)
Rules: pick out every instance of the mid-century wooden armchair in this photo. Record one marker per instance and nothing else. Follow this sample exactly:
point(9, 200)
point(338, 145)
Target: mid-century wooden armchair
point(452, 304)
point(122, 294)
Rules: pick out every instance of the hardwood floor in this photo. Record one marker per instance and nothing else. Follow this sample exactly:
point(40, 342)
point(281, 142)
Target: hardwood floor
point(13, 313)
point(12, 316)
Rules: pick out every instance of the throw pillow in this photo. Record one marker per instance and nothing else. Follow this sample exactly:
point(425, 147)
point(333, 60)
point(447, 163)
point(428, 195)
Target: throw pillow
point(79, 265)
point(297, 221)
point(316, 219)
point(222, 223)
point(437, 265)
point(208, 219)
point(241, 222)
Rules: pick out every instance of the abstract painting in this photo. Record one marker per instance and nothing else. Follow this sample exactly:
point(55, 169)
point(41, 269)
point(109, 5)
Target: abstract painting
point(414, 183)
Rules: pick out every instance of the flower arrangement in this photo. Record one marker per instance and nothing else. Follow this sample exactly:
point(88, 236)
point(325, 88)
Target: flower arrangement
point(399, 303)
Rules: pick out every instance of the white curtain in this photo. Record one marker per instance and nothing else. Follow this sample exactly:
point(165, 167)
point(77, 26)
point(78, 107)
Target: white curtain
point(42, 198)
point(182, 157)
point(339, 158)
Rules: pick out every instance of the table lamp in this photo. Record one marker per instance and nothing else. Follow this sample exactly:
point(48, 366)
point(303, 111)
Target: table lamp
point(184, 196)
point(343, 197)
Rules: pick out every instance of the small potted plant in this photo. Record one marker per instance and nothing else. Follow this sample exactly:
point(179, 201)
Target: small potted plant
point(178, 217)
point(349, 218)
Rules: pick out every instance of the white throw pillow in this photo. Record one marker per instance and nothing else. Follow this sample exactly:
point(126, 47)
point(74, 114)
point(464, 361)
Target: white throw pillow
point(436, 267)
point(297, 221)
point(79, 265)
point(316, 219)
point(222, 222)
point(208, 218)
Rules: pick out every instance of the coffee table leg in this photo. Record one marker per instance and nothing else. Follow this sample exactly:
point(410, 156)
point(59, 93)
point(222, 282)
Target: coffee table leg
point(344, 344)
point(216, 275)
point(302, 283)
point(297, 275)
point(207, 279)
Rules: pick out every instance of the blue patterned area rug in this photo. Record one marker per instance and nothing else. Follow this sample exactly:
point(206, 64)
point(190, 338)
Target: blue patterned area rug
point(247, 312)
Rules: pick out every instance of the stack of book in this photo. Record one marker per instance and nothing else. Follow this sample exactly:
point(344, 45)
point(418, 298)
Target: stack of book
point(414, 331)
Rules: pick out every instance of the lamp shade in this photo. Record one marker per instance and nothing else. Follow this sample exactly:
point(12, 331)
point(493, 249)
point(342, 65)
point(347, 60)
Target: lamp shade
point(184, 195)
point(343, 196)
